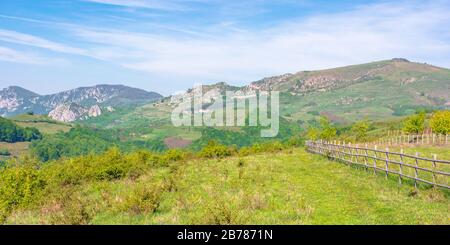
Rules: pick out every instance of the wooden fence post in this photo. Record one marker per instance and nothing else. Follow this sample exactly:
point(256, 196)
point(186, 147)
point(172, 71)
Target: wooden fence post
point(400, 170)
point(416, 172)
point(375, 161)
point(365, 157)
point(350, 153)
point(387, 161)
point(357, 152)
point(434, 170)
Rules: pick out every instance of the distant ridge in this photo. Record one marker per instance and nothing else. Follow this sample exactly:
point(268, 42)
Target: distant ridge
point(16, 100)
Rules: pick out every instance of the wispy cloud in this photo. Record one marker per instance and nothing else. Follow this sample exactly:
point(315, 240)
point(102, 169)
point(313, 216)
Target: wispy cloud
point(373, 32)
point(228, 51)
point(15, 56)
point(149, 4)
point(31, 40)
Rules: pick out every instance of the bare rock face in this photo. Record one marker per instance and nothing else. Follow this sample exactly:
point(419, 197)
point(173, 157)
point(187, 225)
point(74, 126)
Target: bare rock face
point(67, 112)
point(110, 109)
point(94, 111)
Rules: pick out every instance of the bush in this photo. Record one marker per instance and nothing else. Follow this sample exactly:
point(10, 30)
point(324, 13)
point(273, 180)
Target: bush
point(174, 155)
point(327, 130)
point(440, 122)
point(4, 152)
point(313, 133)
point(414, 123)
point(69, 208)
point(360, 129)
point(19, 185)
point(295, 141)
point(144, 199)
point(107, 166)
point(215, 150)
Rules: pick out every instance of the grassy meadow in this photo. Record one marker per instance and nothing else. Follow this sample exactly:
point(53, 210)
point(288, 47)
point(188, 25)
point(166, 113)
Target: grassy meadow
point(43, 123)
point(289, 186)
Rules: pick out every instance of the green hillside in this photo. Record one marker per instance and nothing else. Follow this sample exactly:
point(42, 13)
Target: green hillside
point(377, 91)
point(43, 123)
point(300, 189)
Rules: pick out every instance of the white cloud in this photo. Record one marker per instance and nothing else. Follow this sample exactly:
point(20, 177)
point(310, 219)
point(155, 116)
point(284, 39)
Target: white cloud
point(410, 29)
point(407, 29)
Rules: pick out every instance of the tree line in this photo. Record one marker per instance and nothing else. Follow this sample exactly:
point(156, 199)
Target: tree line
point(11, 132)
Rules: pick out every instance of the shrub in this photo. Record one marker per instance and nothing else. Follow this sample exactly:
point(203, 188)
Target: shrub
point(327, 130)
point(414, 123)
point(360, 129)
point(313, 133)
point(144, 199)
point(440, 122)
point(107, 166)
point(4, 152)
point(69, 208)
point(174, 155)
point(225, 210)
point(215, 150)
point(295, 141)
point(19, 186)
point(244, 151)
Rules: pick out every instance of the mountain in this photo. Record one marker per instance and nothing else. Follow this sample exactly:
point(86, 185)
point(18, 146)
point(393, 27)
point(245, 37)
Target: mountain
point(16, 100)
point(376, 90)
point(397, 70)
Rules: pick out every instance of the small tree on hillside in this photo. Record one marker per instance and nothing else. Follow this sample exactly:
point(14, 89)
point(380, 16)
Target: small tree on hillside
point(360, 129)
point(328, 131)
point(313, 133)
point(414, 123)
point(440, 122)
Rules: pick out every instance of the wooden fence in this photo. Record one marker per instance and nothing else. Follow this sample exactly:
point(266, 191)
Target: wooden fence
point(414, 139)
point(407, 167)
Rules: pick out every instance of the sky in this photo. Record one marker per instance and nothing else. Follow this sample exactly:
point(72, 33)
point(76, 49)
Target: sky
point(48, 46)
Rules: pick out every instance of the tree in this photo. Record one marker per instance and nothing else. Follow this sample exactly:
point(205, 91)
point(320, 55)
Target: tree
point(10, 132)
point(440, 122)
point(313, 133)
point(414, 123)
point(360, 129)
point(327, 130)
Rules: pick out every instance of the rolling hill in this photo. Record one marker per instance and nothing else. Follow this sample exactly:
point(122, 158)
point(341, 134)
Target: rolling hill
point(379, 91)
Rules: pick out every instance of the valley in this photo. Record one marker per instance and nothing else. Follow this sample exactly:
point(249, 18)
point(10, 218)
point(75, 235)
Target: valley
point(109, 154)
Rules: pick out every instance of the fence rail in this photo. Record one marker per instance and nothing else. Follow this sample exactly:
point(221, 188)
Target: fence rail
point(416, 139)
point(413, 167)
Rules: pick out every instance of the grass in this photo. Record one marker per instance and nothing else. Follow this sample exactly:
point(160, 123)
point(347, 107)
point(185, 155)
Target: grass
point(290, 187)
point(43, 123)
point(441, 152)
point(45, 127)
point(15, 149)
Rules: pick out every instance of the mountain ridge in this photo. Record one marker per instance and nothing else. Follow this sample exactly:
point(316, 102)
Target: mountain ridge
point(17, 100)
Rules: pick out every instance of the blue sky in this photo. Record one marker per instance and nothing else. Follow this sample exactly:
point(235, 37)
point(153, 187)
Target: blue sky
point(166, 46)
